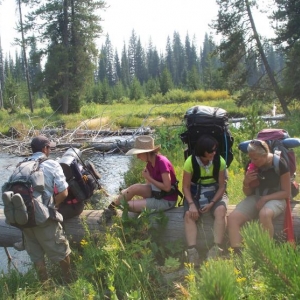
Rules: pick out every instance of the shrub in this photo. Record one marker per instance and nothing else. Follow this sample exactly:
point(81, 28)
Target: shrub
point(157, 98)
point(177, 96)
point(89, 110)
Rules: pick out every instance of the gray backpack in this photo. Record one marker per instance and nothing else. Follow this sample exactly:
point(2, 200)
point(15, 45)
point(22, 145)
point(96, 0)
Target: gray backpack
point(26, 179)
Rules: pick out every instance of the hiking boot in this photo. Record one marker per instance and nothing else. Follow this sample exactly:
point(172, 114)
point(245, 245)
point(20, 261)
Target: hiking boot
point(109, 213)
point(21, 215)
point(193, 256)
point(214, 252)
point(19, 246)
point(8, 207)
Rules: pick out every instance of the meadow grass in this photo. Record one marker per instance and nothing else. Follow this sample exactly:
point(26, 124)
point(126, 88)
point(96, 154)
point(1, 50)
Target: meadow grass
point(129, 114)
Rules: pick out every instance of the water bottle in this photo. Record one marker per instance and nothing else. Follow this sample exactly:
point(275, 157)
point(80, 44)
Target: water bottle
point(255, 182)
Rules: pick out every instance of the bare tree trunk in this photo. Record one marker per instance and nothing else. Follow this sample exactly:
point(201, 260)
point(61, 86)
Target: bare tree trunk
point(65, 101)
point(1, 96)
point(265, 62)
point(1, 76)
point(25, 58)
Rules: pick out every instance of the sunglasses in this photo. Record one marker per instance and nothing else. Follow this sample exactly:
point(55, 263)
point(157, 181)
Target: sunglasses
point(259, 143)
point(212, 150)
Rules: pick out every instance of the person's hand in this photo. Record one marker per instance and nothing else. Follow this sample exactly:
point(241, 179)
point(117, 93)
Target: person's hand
point(250, 176)
point(206, 208)
point(193, 212)
point(146, 174)
point(260, 203)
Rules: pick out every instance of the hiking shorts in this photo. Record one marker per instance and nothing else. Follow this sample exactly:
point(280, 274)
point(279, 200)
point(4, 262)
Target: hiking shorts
point(223, 202)
point(48, 239)
point(159, 204)
point(247, 207)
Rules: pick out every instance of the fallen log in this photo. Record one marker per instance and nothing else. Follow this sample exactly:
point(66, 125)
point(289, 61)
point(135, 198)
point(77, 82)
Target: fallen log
point(174, 230)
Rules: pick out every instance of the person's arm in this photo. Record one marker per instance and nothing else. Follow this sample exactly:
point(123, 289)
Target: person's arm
point(284, 193)
point(60, 197)
point(249, 177)
point(186, 188)
point(60, 184)
point(222, 187)
point(165, 185)
point(219, 193)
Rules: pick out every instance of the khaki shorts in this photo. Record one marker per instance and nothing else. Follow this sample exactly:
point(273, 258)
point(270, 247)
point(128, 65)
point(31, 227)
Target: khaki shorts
point(159, 204)
point(247, 207)
point(48, 239)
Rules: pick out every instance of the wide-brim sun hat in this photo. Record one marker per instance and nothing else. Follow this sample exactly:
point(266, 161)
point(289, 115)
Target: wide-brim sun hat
point(143, 144)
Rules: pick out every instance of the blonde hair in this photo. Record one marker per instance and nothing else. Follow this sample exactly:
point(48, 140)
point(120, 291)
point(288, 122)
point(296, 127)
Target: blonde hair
point(259, 147)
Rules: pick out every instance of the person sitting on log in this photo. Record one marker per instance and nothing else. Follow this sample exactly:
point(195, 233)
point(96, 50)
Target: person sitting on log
point(204, 189)
point(160, 190)
point(265, 192)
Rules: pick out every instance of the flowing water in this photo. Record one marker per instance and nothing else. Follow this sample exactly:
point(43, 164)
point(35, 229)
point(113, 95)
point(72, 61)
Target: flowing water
point(111, 167)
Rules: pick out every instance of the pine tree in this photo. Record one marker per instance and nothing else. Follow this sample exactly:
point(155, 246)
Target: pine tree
point(235, 22)
point(68, 30)
point(125, 71)
point(166, 82)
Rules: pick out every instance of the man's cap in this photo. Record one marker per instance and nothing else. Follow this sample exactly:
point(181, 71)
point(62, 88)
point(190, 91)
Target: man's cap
point(41, 141)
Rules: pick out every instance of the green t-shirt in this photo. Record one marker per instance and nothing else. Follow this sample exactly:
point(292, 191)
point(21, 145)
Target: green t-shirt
point(188, 167)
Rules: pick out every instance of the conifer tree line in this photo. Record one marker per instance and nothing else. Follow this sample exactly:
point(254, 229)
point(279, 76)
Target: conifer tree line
point(66, 67)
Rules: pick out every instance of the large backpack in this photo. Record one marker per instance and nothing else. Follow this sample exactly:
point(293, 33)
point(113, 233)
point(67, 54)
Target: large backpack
point(82, 182)
point(26, 179)
point(280, 143)
point(201, 120)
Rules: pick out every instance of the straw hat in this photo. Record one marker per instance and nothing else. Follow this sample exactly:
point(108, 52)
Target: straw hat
point(143, 144)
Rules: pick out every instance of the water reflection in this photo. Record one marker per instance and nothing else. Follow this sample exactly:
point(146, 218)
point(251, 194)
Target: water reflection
point(111, 168)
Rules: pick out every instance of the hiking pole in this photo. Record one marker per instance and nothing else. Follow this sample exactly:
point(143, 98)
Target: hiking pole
point(8, 254)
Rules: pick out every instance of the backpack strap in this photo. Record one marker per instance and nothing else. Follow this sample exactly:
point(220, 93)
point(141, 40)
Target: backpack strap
point(197, 170)
point(276, 159)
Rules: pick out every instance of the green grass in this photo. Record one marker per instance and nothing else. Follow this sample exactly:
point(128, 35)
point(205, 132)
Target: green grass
point(127, 261)
point(113, 116)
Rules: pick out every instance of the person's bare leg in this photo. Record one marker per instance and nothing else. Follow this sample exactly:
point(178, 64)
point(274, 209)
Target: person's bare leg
point(190, 228)
point(219, 224)
point(41, 270)
point(137, 205)
point(235, 221)
point(142, 190)
point(266, 216)
point(66, 269)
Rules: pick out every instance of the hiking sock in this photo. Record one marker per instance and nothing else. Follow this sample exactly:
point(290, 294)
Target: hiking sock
point(192, 246)
point(112, 206)
point(21, 215)
point(8, 207)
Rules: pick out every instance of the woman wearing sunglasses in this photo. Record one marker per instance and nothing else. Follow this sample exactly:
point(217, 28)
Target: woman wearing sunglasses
point(206, 194)
point(265, 192)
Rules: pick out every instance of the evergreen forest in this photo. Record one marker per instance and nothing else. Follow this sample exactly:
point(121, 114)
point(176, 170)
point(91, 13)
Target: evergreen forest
point(58, 62)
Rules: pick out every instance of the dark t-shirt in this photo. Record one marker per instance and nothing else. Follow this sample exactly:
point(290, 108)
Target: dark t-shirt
point(269, 180)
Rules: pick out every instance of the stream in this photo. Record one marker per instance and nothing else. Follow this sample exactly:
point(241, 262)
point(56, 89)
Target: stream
point(110, 166)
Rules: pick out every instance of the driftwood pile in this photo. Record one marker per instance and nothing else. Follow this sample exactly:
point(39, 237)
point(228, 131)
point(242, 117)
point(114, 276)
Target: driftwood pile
point(99, 140)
